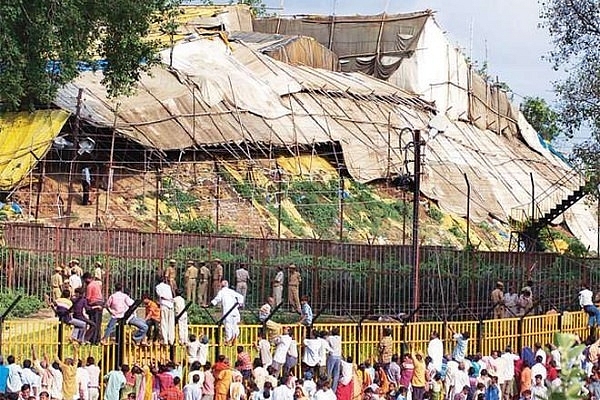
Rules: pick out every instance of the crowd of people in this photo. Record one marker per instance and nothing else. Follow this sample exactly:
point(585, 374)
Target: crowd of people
point(309, 368)
point(78, 300)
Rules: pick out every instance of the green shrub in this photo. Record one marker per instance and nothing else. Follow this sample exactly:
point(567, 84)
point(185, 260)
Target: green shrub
point(26, 306)
point(435, 214)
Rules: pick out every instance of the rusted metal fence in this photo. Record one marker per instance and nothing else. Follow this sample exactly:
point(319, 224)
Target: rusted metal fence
point(343, 278)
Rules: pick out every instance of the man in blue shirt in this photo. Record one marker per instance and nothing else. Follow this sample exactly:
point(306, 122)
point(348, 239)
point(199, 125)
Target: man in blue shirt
point(462, 344)
point(3, 375)
point(306, 314)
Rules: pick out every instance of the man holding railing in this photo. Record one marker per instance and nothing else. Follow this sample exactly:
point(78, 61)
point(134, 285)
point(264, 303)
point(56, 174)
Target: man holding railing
point(586, 302)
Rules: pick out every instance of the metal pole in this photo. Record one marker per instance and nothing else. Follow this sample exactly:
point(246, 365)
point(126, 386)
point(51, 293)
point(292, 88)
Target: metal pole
point(532, 197)
point(156, 201)
point(218, 195)
point(40, 188)
point(279, 199)
point(468, 209)
point(415, 227)
point(72, 165)
point(341, 195)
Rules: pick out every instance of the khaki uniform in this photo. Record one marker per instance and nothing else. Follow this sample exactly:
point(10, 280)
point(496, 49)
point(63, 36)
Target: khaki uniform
point(497, 298)
point(294, 290)
point(56, 281)
point(191, 283)
point(171, 275)
point(217, 277)
point(204, 279)
point(241, 281)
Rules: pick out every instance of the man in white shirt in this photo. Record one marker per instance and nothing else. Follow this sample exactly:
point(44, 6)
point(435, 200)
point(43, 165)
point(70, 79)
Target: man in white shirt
point(278, 285)
point(586, 301)
point(264, 349)
point(13, 381)
point(182, 323)
point(312, 345)
point(335, 357)
point(538, 369)
point(324, 392)
point(30, 377)
point(229, 300)
point(282, 345)
point(82, 381)
point(282, 391)
point(193, 391)
point(324, 349)
point(435, 350)
point(509, 373)
point(94, 378)
point(167, 311)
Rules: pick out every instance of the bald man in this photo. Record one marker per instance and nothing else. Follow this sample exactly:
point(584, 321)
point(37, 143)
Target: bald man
point(228, 298)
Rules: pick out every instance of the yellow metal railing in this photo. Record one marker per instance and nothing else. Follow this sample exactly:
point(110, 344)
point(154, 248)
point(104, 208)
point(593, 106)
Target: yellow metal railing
point(359, 340)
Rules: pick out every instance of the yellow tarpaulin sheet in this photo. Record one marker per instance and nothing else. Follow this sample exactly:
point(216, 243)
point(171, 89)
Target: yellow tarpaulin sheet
point(24, 138)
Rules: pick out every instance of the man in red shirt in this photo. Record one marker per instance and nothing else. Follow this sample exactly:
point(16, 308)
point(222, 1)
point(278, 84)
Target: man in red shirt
point(172, 393)
point(95, 301)
point(244, 362)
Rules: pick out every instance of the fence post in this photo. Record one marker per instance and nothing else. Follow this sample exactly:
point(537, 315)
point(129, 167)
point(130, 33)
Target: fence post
point(520, 333)
point(120, 334)
point(480, 335)
point(3, 317)
point(61, 328)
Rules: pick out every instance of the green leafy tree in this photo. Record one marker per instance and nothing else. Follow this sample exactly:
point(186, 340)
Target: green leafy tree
point(541, 117)
point(575, 30)
point(42, 43)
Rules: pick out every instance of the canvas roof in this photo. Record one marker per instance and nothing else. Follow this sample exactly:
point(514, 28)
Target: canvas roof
point(241, 97)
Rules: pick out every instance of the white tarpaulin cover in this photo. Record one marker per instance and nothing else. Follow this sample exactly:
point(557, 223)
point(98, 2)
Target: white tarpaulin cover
point(240, 96)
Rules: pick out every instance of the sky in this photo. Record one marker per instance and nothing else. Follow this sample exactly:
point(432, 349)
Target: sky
point(507, 31)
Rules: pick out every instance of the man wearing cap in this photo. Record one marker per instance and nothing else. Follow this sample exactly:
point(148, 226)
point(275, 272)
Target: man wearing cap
point(171, 274)
point(294, 280)
point(241, 280)
point(98, 271)
point(217, 276)
point(75, 268)
point(191, 281)
point(56, 282)
point(203, 284)
point(497, 298)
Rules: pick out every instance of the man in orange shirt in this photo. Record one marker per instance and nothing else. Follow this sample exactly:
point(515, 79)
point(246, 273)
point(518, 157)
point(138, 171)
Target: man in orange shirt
point(172, 393)
point(152, 317)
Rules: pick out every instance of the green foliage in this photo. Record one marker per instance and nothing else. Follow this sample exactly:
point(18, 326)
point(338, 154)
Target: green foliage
point(572, 376)
point(435, 214)
point(202, 225)
point(42, 43)
point(245, 188)
point(541, 117)
point(548, 236)
point(172, 194)
point(576, 38)
point(317, 202)
point(26, 306)
point(457, 232)
point(287, 220)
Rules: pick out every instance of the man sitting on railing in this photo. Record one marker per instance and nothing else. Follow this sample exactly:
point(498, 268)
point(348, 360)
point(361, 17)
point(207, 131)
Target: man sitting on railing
point(586, 302)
